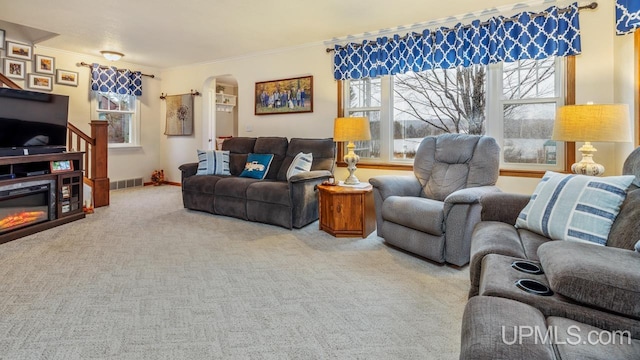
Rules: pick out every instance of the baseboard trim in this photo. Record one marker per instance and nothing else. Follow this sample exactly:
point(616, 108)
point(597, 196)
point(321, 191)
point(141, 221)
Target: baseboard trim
point(164, 183)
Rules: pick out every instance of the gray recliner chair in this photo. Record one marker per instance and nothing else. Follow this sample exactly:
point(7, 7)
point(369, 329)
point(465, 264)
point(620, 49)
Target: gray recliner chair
point(432, 213)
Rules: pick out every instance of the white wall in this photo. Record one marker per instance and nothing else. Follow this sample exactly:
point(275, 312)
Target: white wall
point(302, 61)
point(604, 74)
point(123, 163)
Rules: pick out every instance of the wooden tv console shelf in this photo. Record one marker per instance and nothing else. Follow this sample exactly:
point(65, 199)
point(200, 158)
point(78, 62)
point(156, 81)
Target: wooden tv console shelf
point(67, 186)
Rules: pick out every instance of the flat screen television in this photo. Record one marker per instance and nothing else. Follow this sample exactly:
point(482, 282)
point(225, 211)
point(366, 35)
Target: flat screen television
point(32, 122)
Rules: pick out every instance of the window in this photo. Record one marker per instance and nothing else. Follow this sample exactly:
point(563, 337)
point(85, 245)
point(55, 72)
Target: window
point(514, 103)
point(121, 112)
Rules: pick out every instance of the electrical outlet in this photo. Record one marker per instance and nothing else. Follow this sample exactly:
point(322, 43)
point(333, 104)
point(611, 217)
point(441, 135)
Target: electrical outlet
point(248, 128)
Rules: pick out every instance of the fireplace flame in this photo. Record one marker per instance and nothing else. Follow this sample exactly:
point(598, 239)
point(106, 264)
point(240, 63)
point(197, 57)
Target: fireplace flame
point(21, 218)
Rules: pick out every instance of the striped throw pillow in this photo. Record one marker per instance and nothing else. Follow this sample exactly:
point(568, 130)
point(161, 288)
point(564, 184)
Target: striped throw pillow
point(301, 163)
point(213, 162)
point(575, 207)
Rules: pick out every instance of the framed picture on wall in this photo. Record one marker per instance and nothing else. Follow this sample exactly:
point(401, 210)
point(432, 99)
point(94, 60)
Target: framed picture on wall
point(286, 96)
point(14, 68)
point(40, 82)
point(44, 64)
point(2, 37)
point(66, 77)
point(19, 51)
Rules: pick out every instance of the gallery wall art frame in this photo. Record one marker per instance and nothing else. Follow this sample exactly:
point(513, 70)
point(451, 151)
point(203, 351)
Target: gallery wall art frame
point(19, 51)
point(40, 82)
point(44, 64)
point(2, 37)
point(66, 77)
point(15, 69)
point(285, 96)
point(179, 115)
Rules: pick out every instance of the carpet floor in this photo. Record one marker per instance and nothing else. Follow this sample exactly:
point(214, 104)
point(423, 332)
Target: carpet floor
point(145, 278)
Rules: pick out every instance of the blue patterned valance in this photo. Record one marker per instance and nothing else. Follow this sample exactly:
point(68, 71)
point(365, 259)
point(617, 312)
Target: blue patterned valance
point(555, 32)
point(110, 79)
point(627, 16)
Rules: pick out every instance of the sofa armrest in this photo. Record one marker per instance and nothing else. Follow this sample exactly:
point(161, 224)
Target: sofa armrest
point(304, 196)
point(599, 276)
point(461, 214)
point(311, 175)
point(396, 185)
point(503, 207)
point(467, 196)
point(187, 170)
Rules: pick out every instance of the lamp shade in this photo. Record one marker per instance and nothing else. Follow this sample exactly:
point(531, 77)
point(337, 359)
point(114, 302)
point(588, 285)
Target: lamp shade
point(592, 122)
point(351, 129)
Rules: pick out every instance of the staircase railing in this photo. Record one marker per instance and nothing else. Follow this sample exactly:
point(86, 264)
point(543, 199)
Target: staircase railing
point(95, 148)
point(6, 82)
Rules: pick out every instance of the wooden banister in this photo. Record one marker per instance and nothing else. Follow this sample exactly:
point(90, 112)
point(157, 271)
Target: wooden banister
point(95, 148)
point(99, 163)
point(6, 82)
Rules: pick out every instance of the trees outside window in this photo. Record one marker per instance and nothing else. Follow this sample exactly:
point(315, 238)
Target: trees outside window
point(120, 111)
point(514, 102)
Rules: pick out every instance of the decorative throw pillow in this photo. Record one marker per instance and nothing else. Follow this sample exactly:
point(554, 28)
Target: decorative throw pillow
point(213, 162)
point(257, 166)
point(575, 207)
point(301, 163)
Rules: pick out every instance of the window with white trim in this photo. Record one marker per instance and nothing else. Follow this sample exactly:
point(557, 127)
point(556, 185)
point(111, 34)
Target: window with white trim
point(515, 103)
point(121, 112)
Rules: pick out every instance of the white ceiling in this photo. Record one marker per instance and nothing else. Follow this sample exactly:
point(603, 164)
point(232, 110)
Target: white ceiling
point(169, 33)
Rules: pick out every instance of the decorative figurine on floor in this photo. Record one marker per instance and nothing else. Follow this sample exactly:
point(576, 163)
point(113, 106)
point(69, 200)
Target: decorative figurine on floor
point(157, 177)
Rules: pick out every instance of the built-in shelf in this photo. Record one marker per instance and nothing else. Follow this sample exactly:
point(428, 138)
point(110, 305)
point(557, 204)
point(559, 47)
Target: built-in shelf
point(225, 102)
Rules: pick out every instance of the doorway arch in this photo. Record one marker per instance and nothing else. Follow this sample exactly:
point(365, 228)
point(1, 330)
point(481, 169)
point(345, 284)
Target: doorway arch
point(217, 123)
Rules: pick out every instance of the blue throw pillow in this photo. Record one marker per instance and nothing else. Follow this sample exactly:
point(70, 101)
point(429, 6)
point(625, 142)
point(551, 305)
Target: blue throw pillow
point(257, 166)
point(575, 207)
point(213, 162)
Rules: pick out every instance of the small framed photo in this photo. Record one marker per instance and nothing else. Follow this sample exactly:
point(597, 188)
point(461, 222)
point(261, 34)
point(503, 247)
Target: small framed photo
point(44, 64)
point(61, 166)
point(14, 68)
point(19, 51)
point(2, 37)
point(40, 82)
point(66, 77)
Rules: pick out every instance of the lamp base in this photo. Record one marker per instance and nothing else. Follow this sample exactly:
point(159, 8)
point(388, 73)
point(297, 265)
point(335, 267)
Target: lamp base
point(587, 166)
point(351, 159)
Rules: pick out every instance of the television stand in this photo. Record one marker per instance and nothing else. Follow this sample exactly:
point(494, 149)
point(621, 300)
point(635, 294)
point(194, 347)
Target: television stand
point(36, 150)
point(64, 193)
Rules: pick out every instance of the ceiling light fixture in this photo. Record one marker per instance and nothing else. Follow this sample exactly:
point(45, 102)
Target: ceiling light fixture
point(111, 55)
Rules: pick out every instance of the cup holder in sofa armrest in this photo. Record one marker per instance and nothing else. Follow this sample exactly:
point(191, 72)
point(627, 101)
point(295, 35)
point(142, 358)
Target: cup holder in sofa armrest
point(534, 287)
point(527, 267)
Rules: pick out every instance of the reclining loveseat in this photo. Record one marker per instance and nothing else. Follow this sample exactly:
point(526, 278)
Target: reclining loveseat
point(276, 200)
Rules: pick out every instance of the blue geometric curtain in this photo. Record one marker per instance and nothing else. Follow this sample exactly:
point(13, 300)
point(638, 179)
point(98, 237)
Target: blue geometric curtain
point(523, 36)
point(627, 16)
point(110, 79)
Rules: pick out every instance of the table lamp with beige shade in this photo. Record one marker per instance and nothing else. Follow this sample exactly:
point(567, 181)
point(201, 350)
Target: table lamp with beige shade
point(351, 129)
point(591, 122)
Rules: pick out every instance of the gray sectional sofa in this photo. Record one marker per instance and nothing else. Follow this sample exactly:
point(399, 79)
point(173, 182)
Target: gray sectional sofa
point(274, 200)
point(587, 297)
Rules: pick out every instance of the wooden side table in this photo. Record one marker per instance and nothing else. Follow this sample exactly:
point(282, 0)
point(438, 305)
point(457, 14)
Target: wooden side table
point(346, 211)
